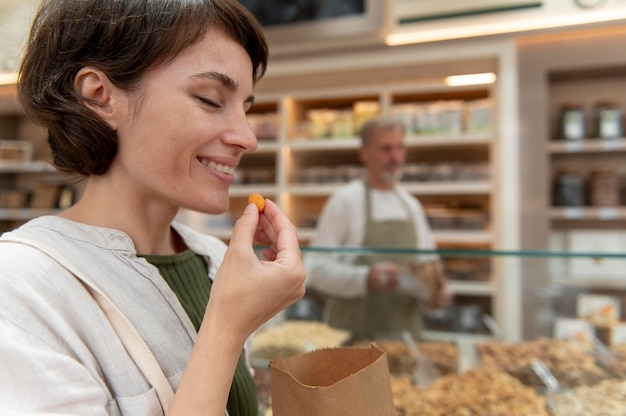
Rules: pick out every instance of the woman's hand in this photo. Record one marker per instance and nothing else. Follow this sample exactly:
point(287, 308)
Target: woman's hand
point(247, 290)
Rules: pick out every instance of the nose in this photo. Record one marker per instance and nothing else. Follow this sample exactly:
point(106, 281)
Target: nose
point(398, 154)
point(240, 134)
point(394, 157)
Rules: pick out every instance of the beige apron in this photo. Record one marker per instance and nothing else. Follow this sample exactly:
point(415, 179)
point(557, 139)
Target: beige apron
point(380, 314)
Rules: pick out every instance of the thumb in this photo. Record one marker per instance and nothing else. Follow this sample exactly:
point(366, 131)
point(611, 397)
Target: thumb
point(245, 227)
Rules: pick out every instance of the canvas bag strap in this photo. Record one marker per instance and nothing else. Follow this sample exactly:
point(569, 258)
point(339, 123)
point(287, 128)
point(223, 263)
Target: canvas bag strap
point(126, 332)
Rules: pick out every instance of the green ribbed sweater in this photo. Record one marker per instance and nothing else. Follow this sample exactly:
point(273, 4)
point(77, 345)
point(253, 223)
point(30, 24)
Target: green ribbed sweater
point(186, 274)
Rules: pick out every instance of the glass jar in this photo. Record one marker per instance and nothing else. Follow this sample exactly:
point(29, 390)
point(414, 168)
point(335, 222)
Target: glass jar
point(342, 125)
point(608, 120)
point(319, 123)
point(569, 188)
point(572, 122)
point(603, 188)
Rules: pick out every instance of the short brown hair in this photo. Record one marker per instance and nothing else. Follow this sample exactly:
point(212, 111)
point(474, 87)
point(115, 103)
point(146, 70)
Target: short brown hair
point(124, 39)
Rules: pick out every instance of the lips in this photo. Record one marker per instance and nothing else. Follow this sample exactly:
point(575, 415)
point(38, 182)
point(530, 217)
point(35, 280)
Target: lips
point(229, 170)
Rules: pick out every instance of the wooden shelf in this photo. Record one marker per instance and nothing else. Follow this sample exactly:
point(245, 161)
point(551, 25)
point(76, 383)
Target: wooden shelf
point(450, 187)
point(266, 147)
point(323, 145)
point(38, 166)
point(441, 237)
point(462, 237)
point(240, 191)
point(312, 190)
point(599, 282)
point(449, 140)
point(587, 146)
point(416, 188)
point(588, 213)
point(471, 288)
point(353, 143)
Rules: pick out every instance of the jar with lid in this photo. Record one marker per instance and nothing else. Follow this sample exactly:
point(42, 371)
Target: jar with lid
point(572, 122)
point(319, 123)
point(568, 189)
point(342, 125)
point(608, 120)
point(603, 188)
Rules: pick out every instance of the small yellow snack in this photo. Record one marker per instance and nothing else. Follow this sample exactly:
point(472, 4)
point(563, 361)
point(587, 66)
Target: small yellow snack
point(258, 200)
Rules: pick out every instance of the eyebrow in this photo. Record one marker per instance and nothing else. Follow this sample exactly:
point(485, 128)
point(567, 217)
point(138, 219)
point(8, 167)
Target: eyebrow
point(223, 79)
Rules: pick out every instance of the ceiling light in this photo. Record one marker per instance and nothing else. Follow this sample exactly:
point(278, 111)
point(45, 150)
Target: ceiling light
point(470, 79)
point(449, 32)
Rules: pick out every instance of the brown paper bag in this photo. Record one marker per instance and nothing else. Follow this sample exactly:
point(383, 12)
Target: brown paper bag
point(342, 381)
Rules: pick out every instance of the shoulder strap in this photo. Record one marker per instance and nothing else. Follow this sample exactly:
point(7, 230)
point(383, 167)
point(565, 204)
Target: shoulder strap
point(126, 332)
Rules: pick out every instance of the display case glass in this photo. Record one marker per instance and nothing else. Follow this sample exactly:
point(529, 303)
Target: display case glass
point(574, 362)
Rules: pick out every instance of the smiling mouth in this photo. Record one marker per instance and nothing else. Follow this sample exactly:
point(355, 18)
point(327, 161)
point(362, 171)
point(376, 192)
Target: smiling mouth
point(229, 170)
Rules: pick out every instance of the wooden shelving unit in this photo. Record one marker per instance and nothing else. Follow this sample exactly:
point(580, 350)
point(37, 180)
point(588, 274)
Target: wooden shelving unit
point(556, 69)
point(387, 77)
point(302, 194)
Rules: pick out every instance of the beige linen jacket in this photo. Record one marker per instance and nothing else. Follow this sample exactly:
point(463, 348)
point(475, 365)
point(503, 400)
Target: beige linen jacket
point(58, 353)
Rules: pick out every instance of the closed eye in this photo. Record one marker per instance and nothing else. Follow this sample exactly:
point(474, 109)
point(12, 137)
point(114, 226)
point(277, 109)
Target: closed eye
point(209, 102)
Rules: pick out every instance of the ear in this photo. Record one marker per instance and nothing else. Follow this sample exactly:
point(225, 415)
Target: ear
point(99, 93)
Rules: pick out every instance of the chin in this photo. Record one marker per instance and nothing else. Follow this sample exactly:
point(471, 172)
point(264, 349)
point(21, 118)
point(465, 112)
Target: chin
point(212, 206)
point(390, 178)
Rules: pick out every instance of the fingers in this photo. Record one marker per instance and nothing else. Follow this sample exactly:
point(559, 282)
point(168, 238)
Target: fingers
point(266, 234)
point(248, 290)
point(383, 277)
point(279, 232)
point(272, 227)
point(245, 228)
point(269, 254)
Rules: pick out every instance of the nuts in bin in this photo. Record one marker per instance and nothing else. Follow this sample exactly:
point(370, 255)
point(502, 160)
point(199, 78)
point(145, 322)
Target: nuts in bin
point(401, 360)
point(482, 391)
point(569, 364)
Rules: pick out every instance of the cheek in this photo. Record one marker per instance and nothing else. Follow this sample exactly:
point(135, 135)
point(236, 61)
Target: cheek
point(384, 159)
point(151, 147)
point(162, 131)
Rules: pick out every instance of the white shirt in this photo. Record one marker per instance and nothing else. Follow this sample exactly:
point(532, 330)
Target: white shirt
point(58, 353)
point(342, 224)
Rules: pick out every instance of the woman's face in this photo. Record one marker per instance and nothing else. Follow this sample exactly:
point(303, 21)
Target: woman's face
point(185, 129)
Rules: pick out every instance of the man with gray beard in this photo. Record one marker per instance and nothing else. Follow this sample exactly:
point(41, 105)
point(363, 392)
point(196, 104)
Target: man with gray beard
point(377, 295)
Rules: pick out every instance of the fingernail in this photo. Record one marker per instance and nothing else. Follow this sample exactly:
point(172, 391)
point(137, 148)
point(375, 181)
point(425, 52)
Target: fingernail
point(250, 209)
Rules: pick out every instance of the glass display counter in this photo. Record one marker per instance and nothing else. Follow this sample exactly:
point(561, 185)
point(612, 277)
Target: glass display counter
point(570, 359)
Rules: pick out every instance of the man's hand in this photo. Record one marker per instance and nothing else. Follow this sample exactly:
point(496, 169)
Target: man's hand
point(431, 274)
point(383, 277)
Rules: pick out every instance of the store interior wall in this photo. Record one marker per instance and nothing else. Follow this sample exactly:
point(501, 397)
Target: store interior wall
point(523, 61)
point(539, 56)
point(15, 17)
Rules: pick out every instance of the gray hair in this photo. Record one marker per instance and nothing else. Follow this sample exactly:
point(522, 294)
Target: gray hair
point(384, 123)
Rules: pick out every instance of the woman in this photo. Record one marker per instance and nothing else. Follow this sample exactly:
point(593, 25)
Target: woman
point(147, 99)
